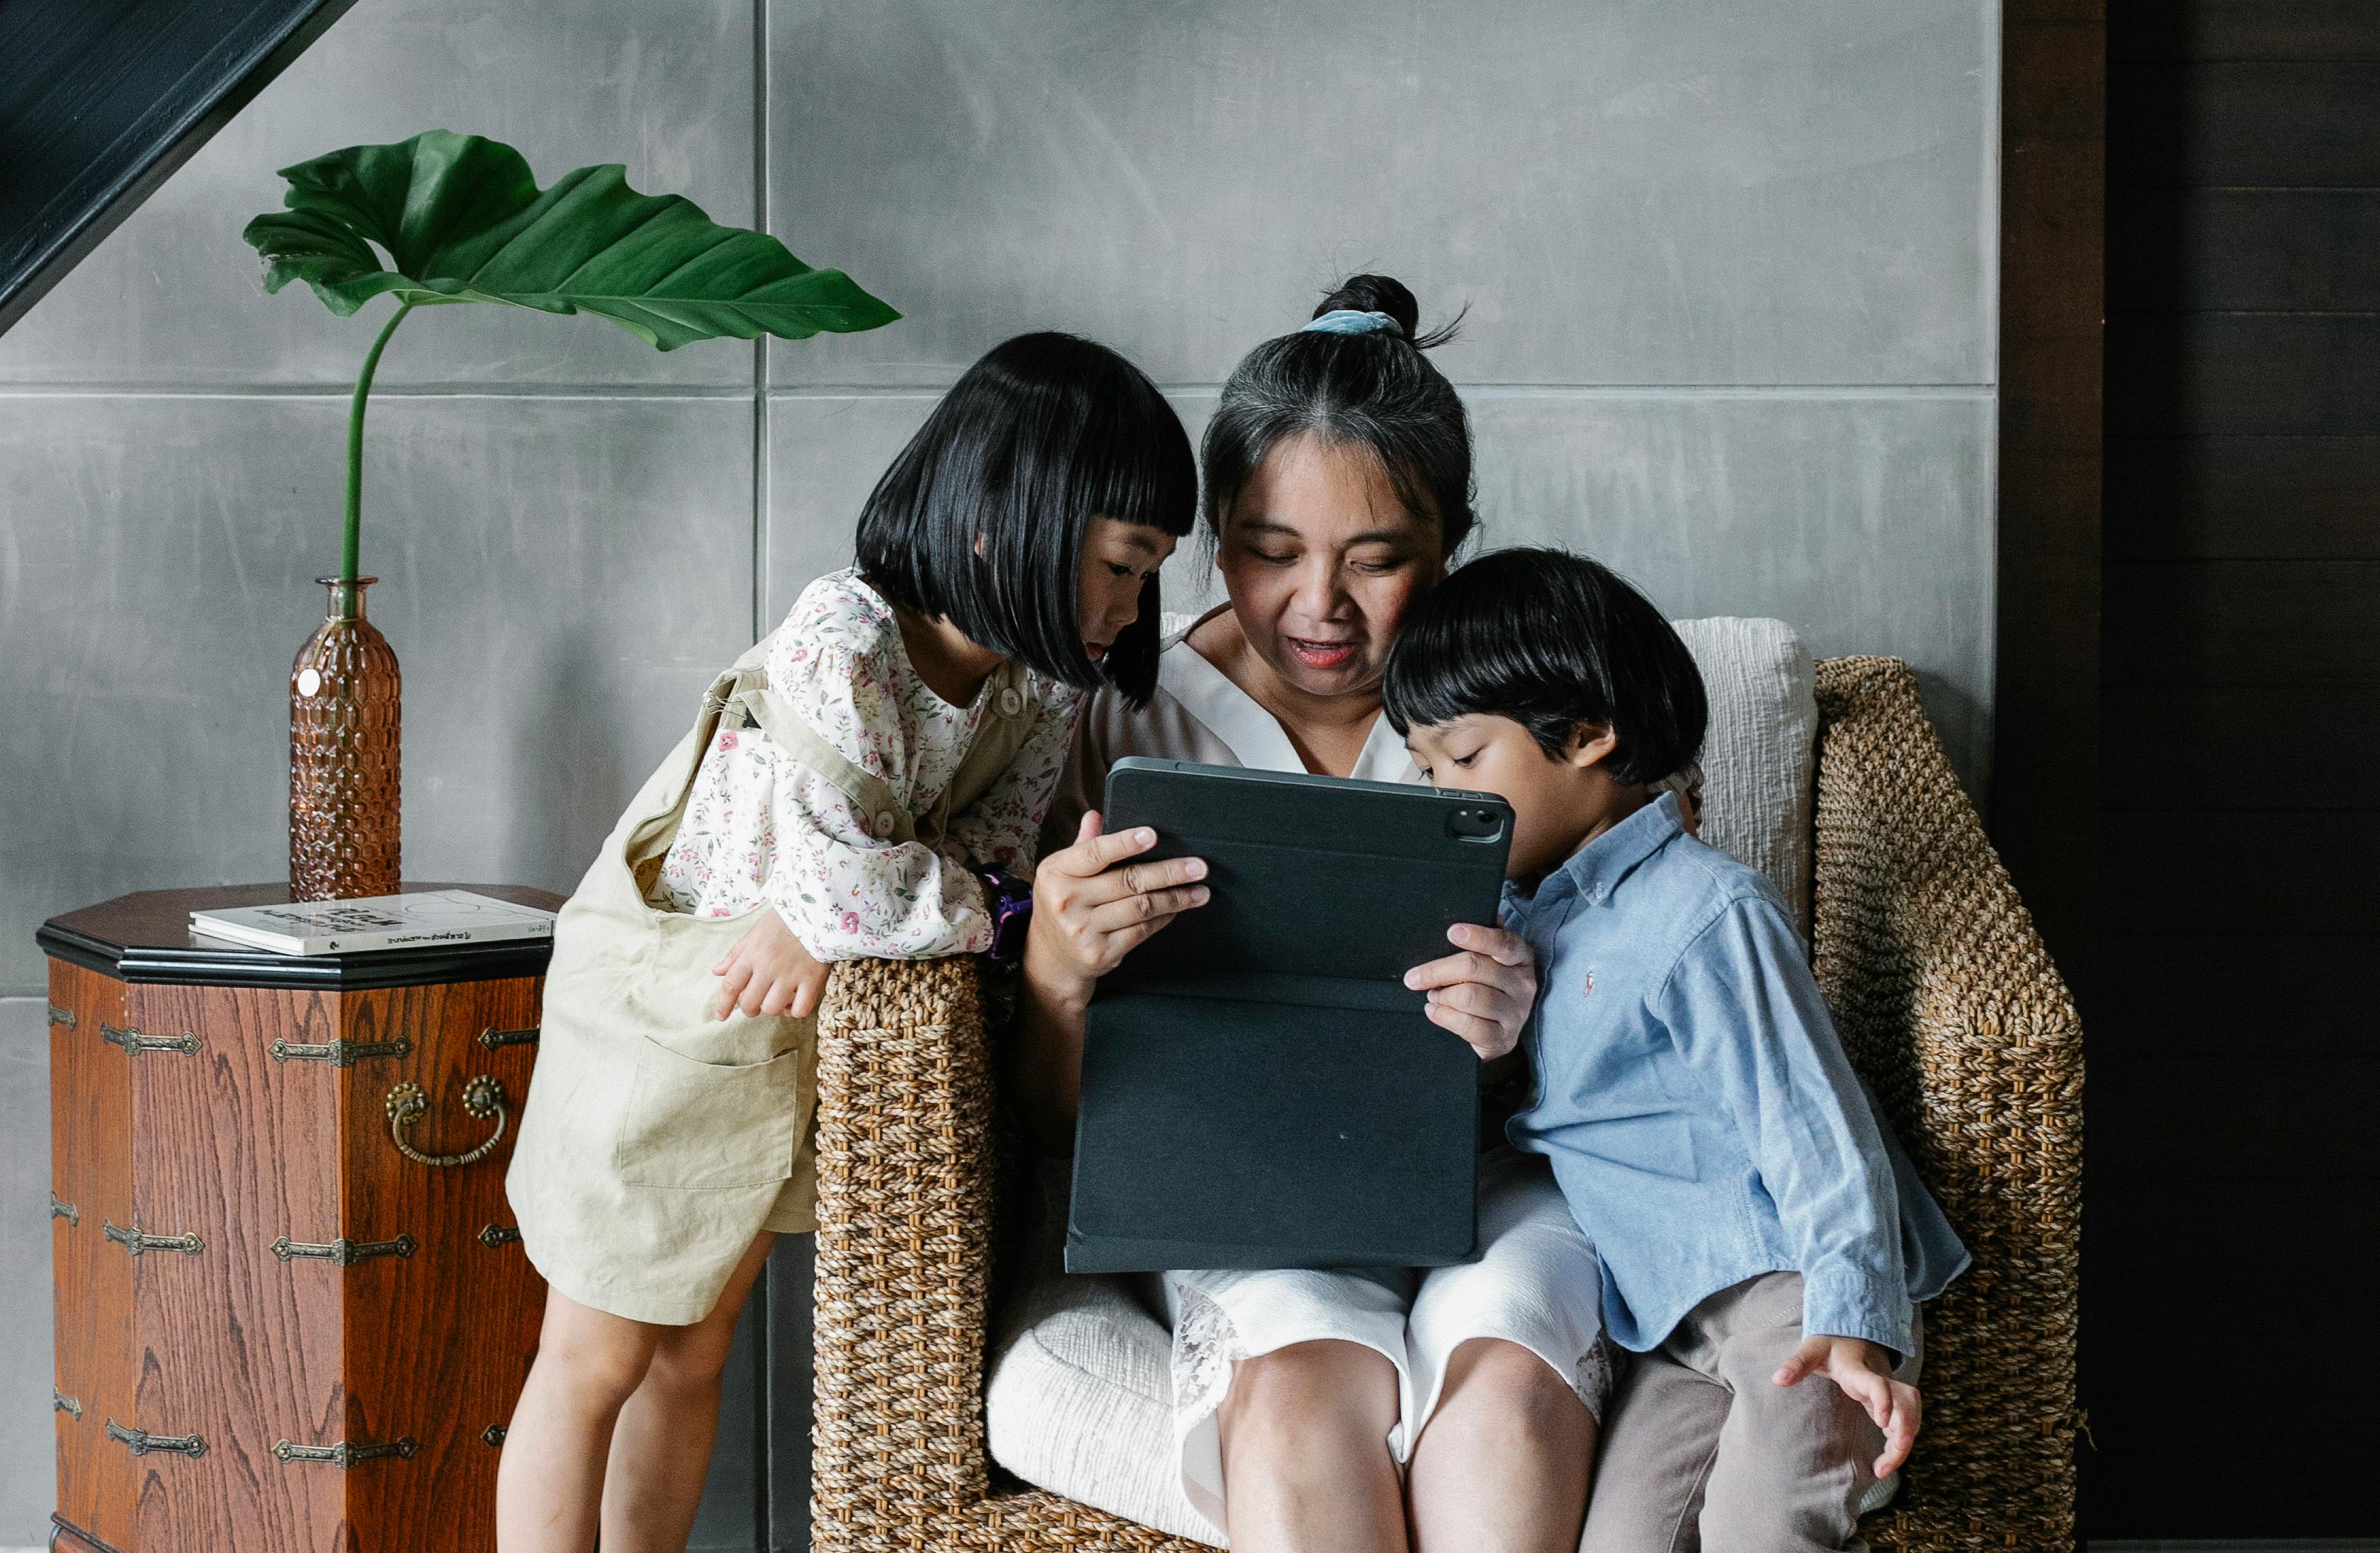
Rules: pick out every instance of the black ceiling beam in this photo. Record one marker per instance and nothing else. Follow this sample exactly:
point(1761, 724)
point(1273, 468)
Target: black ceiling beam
point(101, 101)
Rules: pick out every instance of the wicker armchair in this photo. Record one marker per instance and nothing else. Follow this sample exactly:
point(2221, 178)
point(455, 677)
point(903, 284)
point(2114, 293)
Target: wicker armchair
point(1946, 1002)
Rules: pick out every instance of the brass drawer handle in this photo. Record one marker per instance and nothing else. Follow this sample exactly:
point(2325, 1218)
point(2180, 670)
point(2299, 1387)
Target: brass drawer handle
point(143, 1443)
point(62, 1016)
point(340, 1053)
point(134, 1042)
point(61, 1402)
point(482, 1097)
point(132, 1240)
point(493, 1039)
point(64, 1211)
point(344, 1455)
point(343, 1252)
point(495, 1235)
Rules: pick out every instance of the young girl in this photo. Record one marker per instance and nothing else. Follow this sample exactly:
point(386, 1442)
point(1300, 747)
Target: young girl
point(1765, 1244)
point(865, 782)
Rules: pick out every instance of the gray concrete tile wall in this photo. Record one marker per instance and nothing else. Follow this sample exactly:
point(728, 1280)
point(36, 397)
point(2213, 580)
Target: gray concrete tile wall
point(27, 1438)
point(1622, 192)
point(1731, 325)
point(560, 578)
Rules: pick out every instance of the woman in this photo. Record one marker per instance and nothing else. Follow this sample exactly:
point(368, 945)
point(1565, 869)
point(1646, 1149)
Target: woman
point(1359, 1409)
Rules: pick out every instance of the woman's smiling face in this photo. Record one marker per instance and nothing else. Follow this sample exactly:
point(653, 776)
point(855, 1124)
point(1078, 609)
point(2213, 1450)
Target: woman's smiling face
point(1322, 561)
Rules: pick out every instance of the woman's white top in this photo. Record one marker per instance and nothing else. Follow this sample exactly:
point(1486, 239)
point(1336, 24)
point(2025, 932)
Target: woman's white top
point(761, 826)
point(1195, 713)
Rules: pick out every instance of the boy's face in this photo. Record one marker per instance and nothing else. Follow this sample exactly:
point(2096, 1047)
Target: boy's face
point(1557, 803)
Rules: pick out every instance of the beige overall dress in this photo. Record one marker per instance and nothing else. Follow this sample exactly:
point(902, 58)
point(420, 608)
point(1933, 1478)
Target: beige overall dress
point(657, 1141)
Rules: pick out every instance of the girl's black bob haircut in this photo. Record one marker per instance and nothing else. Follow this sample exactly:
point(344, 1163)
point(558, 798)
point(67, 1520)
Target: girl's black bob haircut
point(1374, 391)
point(1551, 641)
point(981, 519)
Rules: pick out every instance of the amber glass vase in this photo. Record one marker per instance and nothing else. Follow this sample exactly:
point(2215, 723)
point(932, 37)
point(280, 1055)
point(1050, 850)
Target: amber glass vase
point(343, 775)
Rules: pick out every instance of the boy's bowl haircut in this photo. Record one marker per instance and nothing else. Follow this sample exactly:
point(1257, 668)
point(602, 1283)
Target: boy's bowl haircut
point(1551, 641)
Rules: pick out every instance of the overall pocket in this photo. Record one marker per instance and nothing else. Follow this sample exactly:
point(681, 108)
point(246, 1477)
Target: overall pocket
point(690, 1124)
point(711, 1103)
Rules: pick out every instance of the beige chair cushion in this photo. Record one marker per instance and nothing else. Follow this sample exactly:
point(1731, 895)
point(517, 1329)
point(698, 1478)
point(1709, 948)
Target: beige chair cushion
point(1080, 1398)
point(1760, 754)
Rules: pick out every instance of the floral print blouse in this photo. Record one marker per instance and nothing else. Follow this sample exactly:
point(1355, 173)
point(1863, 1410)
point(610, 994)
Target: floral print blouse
point(760, 827)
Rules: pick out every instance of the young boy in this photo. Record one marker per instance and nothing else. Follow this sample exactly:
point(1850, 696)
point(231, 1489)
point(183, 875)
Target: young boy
point(1763, 1238)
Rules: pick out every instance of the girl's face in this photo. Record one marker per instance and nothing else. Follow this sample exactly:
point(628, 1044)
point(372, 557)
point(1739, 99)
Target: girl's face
point(1322, 561)
point(1118, 559)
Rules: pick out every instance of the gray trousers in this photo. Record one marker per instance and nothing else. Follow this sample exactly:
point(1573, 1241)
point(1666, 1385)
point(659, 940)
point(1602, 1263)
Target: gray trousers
point(1702, 1450)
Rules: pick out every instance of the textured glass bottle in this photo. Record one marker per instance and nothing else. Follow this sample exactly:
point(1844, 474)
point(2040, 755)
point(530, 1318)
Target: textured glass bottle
point(343, 774)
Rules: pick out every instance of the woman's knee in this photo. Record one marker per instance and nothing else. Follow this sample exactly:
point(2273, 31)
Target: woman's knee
point(1308, 1388)
point(1506, 1389)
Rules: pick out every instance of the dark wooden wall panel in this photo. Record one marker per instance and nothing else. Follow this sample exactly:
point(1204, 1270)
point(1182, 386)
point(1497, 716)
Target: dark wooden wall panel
point(2212, 498)
point(2234, 1064)
point(2272, 122)
point(2252, 250)
point(2045, 746)
point(2278, 623)
point(2245, 996)
point(2166, 1118)
point(2256, 872)
point(2258, 374)
point(2332, 29)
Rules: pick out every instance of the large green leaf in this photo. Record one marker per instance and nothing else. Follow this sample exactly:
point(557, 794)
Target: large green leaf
point(459, 218)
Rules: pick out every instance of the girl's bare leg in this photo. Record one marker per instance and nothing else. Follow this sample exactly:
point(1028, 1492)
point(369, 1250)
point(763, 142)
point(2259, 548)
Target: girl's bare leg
point(660, 1448)
point(1306, 1467)
point(1504, 1461)
point(548, 1484)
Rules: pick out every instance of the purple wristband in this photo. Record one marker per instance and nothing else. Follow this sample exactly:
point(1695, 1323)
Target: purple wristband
point(1011, 902)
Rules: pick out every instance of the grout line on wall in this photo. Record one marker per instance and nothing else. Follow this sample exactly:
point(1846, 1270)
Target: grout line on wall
point(380, 392)
point(760, 420)
point(759, 388)
point(1972, 391)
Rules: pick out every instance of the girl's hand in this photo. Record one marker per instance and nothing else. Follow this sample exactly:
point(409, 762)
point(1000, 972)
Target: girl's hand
point(769, 972)
point(1864, 1371)
point(1485, 993)
point(1091, 906)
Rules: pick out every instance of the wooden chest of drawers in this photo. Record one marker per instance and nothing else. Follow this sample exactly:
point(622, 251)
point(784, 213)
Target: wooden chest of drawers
point(292, 1315)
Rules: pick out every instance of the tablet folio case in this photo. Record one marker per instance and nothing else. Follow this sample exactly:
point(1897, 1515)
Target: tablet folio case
point(1260, 1089)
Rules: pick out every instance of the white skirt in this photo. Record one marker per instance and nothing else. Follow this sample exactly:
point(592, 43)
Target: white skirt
point(1535, 1283)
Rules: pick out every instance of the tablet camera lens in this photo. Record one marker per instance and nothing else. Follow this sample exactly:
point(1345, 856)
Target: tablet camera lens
point(1474, 825)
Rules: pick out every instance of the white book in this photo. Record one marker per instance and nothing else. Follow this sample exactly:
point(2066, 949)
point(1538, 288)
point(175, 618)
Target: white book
point(374, 923)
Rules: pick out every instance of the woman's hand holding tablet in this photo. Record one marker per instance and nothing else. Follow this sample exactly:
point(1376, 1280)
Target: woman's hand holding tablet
point(1092, 906)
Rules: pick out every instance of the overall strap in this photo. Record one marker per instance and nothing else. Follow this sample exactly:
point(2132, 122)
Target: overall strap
point(1009, 710)
point(752, 702)
point(999, 733)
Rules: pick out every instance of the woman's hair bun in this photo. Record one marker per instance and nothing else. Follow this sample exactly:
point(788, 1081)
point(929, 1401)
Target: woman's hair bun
point(1386, 294)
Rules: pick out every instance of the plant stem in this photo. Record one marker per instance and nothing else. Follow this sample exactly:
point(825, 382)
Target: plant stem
point(349, 553)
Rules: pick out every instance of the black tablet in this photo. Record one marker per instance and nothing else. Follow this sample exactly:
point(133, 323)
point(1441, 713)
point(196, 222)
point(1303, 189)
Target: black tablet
point(1260, 1089)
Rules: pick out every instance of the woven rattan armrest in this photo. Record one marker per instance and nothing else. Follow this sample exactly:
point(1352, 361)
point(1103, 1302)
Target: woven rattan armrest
point(1946, 1002)
point(1952, 1010)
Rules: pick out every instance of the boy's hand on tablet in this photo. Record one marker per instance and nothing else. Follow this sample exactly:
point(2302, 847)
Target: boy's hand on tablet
point(769, 972)
point(1092, 904)
point(1864, 1371)
point(1482, 993)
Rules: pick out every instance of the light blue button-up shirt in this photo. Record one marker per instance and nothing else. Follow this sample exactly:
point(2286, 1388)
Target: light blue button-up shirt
point(1696, 1104)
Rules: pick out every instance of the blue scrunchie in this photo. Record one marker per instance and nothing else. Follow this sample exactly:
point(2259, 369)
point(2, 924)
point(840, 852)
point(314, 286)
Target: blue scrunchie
point(1352, 320)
